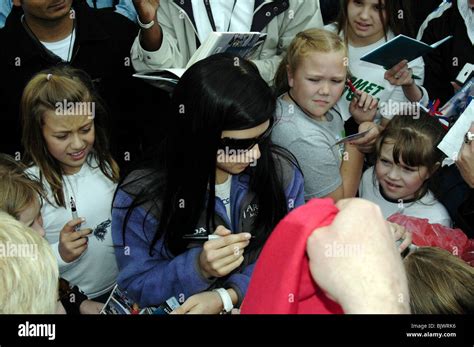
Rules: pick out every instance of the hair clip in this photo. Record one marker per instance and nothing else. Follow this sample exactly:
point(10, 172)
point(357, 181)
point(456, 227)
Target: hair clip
point(49, 76)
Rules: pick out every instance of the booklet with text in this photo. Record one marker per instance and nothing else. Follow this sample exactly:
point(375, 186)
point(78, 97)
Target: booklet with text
point(238, 43)
point(399, 48)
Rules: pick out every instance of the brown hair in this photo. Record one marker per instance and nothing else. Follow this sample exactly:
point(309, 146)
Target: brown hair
point(397, 14)
point(415, 142)
point(42, 94)
point(17, 190)
point(305, 42)
point(439, 282)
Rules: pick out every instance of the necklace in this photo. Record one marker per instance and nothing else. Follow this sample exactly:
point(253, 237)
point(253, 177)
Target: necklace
point(41, 46)
point(211, 17)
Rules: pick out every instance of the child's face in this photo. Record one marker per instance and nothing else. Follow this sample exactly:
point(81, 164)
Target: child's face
point(31, 217)
point(398, 181)
point(318, 81)
point(364, 25)
point(69, 139)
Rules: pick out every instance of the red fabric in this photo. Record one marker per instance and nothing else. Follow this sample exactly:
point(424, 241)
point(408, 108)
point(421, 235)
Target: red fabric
point(281, 281)
point(437, 235)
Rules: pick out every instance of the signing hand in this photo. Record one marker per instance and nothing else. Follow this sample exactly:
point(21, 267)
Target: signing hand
point(220, 257)
point(400, 233)
point(366, 144)
point(465, 161)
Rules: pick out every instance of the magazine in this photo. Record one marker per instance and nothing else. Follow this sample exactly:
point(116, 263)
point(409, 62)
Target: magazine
point(119, 303)
point(238, 43)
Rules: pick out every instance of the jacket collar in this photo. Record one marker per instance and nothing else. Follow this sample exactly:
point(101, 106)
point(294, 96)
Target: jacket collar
point(264, 11)
point(87, 29)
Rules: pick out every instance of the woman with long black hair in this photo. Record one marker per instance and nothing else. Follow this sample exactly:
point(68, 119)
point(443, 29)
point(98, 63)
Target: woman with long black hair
point(217, 173)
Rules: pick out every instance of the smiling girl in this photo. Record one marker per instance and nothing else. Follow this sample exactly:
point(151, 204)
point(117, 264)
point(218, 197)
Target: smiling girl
point(68, 153)
point(407, 159)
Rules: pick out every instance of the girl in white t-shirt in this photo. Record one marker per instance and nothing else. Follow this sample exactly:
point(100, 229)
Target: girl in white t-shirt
point(366, 25)
point(407, 161)
point(67, 151)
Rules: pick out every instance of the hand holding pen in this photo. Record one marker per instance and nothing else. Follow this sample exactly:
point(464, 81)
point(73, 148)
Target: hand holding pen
point(73, 241)
point(363, 106)
point(221, 256)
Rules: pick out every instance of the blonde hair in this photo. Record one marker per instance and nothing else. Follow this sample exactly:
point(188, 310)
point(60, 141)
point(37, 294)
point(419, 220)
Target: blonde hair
point(17, 190)
point(304, 43)
point(439, 282)
point(41, 94)
point(28, 280)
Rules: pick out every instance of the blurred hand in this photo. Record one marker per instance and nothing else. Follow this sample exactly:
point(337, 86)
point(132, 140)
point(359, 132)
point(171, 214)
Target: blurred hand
point(220, 257)
point(90, 307)
point(369, 277)
point(401, 233)
point(465, 161)
point(73, 243)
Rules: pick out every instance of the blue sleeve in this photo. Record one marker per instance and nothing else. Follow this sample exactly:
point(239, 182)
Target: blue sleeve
point(5, 9)
point(126, 8)
point(295, 190)
point(295, 196)
point(151, 280)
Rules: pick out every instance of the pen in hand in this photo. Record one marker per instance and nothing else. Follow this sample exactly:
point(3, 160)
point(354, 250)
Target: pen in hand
point(352, 88)
point(204, 237)
point(74, 213)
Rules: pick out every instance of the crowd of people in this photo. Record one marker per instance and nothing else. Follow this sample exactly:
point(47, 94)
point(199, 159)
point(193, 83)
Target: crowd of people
point(238, 187)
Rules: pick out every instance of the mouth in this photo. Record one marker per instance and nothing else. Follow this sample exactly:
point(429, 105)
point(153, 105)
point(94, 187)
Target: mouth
point(78, 155)
point(57, 5)
point(321, 102)
point(391, 186)
point(362, 26)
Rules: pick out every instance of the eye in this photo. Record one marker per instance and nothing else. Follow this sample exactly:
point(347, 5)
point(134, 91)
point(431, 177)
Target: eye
point(60, 137)
point(385, 162)
point(85, 131)
point(314, 79)
point(357, 2)
point(410, 169)
point(380, 7)
point(337, 81)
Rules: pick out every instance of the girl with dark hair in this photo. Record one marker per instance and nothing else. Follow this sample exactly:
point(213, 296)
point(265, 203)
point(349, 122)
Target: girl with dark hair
point(217, 173)
point(403, 177)
point(66, 149)
point(366, 25)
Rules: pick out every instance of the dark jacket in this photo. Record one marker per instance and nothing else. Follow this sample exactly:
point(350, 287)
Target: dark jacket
point(444, 64)
point(102, 49)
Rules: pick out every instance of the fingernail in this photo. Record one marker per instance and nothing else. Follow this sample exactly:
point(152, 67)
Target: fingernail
point(247, 236)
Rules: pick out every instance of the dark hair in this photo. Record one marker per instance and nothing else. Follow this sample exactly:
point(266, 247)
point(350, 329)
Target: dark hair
point(40, 95)
point(398, 13)
point(219, 93)
point(415, 141)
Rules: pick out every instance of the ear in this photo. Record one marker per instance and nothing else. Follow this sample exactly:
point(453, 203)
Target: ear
point(289, 73)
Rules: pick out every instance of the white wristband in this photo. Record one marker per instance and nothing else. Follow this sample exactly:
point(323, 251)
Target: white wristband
point(145, 26)
point(226, 299)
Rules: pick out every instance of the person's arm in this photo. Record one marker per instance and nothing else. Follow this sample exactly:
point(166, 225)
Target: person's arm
point(351, 170)
point(300, 16)
point(157, 47)
point(126, 8)
point(151, 280)
point(372, 279)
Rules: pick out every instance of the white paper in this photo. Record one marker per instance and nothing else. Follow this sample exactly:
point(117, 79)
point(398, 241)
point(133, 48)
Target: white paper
point(452, 142)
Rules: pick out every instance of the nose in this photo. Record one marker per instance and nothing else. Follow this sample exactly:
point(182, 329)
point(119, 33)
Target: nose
point(364, 14)
point(324, 89)
point(394, 173)
point(76, 143)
